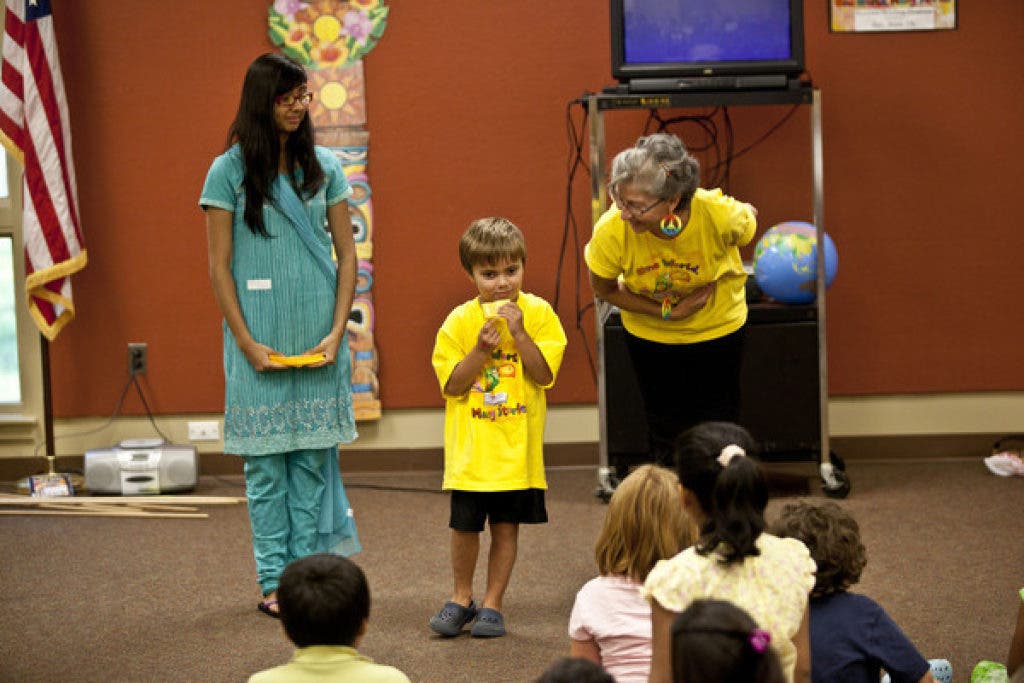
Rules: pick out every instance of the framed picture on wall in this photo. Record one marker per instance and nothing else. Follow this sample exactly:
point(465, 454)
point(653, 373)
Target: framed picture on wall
point(880, 16)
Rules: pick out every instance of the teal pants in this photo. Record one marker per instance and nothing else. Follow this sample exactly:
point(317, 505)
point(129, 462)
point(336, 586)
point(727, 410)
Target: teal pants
point(285, 492)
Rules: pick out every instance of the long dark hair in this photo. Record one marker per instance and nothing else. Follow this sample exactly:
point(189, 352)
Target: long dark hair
point(733, 497)
point(269, 76)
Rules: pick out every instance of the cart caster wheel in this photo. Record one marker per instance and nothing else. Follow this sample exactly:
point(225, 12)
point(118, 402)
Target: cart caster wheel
point(607, 483)
point(834, 481)
point(836, 461)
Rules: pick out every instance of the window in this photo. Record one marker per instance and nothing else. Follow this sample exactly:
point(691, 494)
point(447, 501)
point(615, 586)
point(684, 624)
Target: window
point(21, 365)
point(21, 391)
point(10, 373)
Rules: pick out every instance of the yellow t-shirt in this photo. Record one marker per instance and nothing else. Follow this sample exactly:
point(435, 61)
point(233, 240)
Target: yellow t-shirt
point(334, 663)
point(494, 433)
point(707, 250)
point(772, 587)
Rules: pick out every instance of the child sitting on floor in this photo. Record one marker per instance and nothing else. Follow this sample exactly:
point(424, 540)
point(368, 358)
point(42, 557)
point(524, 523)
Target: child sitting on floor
point(325, 604)
point(715, 641)
point(575, 670)
point(852, 638)
point(611, 622)
point(725, 492)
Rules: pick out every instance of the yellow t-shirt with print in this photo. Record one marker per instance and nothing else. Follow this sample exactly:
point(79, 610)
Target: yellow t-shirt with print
point(707, 250)
point(494, 433)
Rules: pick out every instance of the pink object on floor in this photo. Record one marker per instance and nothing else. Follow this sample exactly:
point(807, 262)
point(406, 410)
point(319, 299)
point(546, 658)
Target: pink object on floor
point(1005, 465)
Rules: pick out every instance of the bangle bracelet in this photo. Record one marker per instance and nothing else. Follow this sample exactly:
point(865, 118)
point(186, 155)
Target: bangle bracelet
point(666, 308)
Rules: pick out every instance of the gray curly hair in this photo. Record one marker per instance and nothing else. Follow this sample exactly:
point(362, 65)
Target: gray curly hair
point(659, 165)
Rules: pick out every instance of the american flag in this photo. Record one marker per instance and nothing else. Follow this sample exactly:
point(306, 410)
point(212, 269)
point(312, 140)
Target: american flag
point(34, 127)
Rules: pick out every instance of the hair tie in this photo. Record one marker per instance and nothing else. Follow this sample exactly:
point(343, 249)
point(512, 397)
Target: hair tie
point(728, 453)
point(666, 169)
point(759, 640)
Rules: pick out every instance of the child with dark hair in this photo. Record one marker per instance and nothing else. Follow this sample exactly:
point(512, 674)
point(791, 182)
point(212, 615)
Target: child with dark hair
point(325, 606)
point(575, 670)
point(277, 206)
point(852, 638)
point(725, 492)
point(714, 641)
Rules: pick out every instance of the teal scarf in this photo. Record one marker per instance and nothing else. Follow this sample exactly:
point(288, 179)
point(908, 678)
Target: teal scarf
point(295, 211)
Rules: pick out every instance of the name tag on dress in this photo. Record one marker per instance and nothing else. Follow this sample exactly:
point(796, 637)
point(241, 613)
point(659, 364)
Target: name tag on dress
point(253, 285)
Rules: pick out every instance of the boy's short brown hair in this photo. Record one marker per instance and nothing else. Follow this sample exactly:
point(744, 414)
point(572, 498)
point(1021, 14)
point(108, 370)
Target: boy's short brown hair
point(488, 240)
point(832, 536)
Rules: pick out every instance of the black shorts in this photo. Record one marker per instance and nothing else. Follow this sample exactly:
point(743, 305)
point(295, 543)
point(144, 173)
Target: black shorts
point(470, 509)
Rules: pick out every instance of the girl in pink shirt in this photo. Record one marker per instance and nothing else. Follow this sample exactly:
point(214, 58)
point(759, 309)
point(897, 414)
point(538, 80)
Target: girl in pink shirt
point(611, 622)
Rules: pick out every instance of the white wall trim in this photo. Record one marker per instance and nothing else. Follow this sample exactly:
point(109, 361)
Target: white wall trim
point(927, 414)
point(859, 416)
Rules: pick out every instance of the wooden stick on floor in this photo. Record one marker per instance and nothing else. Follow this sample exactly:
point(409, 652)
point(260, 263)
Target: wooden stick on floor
point(136, 508)
point(120, 500)
point(105, 513)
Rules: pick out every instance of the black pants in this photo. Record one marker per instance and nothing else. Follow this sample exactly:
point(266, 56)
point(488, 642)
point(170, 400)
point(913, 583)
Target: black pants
point(684, 384)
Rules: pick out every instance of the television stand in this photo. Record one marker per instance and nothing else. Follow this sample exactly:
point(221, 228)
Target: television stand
point(773, 343)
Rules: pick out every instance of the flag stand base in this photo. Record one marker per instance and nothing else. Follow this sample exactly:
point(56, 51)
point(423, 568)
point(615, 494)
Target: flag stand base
point(50, 484)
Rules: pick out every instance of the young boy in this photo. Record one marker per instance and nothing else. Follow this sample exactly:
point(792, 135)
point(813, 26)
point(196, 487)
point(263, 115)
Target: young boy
point(852, 637)
point(325, 604)
point(494, 357)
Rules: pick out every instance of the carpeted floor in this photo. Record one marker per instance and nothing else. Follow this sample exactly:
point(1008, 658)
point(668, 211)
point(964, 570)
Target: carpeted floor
point(100, 599)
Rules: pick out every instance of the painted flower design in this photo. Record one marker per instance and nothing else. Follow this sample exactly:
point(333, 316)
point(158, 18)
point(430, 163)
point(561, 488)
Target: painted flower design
point(339, 97)
point(288, 8)
point(326, 33)
point(357, 26)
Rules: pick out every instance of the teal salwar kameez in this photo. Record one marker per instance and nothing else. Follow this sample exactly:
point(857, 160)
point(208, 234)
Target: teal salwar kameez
point(286, 424)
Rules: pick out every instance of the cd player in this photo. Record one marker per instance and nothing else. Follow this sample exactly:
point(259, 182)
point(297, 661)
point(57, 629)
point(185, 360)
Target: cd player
point(141, 467)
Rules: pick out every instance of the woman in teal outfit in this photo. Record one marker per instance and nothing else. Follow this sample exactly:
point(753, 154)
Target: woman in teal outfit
point(267, 200)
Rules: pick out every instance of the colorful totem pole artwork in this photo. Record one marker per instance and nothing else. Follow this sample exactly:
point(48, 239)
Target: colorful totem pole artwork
point(330, 38)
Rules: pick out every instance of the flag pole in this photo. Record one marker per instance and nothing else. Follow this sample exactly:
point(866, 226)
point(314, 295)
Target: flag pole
point(52, 483)
point(51, 450)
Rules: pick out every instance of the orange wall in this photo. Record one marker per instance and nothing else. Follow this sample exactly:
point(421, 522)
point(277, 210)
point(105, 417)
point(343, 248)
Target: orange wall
point(466, 103)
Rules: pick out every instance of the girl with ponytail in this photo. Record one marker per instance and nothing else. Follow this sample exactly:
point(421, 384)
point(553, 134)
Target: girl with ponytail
point(724, 491)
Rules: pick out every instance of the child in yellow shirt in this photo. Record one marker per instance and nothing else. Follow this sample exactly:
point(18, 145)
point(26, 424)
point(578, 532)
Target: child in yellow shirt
point(495, 355)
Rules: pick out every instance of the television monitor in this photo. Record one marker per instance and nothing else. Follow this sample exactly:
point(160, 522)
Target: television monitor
point(666, 45)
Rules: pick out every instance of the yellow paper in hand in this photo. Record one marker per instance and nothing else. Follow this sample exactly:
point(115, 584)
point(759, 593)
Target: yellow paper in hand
point(299, 361)
point(491, 308)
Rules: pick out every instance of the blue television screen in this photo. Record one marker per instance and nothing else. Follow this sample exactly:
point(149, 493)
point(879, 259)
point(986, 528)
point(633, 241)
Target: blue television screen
point(651, 37)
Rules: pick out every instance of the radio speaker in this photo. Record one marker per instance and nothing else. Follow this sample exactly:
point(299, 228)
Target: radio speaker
point(141, 467)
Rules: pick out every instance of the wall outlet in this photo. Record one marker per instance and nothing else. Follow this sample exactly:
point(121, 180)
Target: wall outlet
point(203, 431)
point(136, 358)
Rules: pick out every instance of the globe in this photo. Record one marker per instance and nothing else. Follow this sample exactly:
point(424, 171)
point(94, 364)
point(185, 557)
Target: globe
point(785, 262)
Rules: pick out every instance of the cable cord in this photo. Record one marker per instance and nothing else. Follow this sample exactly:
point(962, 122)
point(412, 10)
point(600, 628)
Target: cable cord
point(386, 487)
point(719, 144)
point(132, 379)
point(718, 172)
point(764, 136)
point(570, 227)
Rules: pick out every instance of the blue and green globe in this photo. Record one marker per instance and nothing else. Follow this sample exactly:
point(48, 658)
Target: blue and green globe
point(785, 262)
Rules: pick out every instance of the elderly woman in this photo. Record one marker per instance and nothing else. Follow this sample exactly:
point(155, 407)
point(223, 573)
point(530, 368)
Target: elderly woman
point(667, 255)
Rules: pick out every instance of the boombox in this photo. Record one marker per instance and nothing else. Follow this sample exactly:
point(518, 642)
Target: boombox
point(141, 467)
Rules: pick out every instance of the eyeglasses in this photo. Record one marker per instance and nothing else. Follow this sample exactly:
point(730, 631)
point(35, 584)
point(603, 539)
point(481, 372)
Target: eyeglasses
point(289, 99)
point(633, 208)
